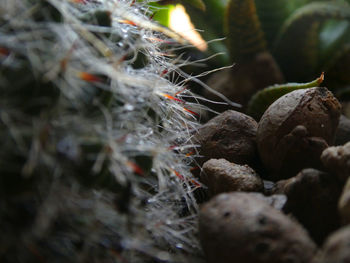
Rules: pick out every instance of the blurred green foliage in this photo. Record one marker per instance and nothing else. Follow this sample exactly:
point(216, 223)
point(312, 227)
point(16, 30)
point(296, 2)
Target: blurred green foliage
point(271, 42)
point(162, 13)
point(305, 37)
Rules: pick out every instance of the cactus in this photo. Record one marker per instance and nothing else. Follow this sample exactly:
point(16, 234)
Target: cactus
point(95, 137)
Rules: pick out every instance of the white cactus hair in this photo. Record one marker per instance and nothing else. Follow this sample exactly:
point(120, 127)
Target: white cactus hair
point(151, 217)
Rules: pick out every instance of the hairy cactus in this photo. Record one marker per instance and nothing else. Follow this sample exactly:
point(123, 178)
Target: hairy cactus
point(94, 135)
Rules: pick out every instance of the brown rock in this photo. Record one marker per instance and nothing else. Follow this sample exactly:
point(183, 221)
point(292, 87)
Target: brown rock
point(295, 130)
point(240, 228)
point(337, 160)
point(344, 204)
point(337, 247)
point(230, 135)
point(312, 198)
point(342, 135)
point(219, 175)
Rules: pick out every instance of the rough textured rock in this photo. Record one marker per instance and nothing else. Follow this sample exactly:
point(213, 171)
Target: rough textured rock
point(342, 135)
point(241, 228)
point(337, 160)
point(295, 130)
point(337, 247)
point(230, 135)
point(312, 198)
point(220, 175)
point(344, 204)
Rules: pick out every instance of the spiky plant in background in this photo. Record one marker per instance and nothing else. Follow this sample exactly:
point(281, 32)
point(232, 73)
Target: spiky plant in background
point(274, 42)
point(95, 138)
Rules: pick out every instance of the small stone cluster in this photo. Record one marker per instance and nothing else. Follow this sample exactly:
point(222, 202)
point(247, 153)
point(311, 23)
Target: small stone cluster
point(278, 190)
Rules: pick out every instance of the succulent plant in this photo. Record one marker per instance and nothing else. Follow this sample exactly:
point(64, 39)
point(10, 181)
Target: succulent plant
point(94, 136)
point(303, 37)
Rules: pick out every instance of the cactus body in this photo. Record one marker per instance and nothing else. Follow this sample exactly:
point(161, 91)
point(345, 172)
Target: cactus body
point(93, 158)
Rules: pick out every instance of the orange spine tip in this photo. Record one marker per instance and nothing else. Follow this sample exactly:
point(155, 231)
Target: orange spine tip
point(171, 97)
point(155, 39)
point(4, 51)
point(178, 175)
point(64, 63)
point(162, 54)
point(172, 147)
point(196, 183)
point(189, 154)
point(122, 58)
point(128, 22)
point(192, 112)
point(165, 71)
point(135, 168)
point(79, 1)
point(194, 168)
point(89, 77)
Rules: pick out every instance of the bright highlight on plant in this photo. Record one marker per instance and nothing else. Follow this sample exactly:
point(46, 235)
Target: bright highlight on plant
point(181, 23)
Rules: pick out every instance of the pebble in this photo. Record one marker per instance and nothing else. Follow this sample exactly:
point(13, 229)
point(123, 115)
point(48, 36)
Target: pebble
point(220, 175)
point(295, 129)
point(238, 227)
point(344, 204)
point(337, 247)
point(337, 160)
point(342, 135)
point(312, 198)
point(230, 135)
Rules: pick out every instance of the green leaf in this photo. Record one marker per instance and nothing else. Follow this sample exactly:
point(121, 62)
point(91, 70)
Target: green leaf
point(161, 13)
point(297, 46)
point(332, 37)
point(295, 4)
point(264, 98)
point(272, 14)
